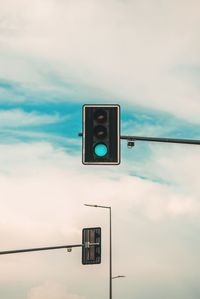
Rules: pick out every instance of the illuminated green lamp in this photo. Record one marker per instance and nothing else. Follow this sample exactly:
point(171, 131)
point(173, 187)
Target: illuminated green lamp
point(100, 150)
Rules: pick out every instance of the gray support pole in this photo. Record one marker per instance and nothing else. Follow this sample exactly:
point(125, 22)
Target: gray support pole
point(110, 253)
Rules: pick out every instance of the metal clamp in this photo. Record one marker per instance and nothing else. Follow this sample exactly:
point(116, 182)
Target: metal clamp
point(130, 144)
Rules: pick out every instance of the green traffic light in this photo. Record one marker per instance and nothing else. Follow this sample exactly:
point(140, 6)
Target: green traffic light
point(100, 149)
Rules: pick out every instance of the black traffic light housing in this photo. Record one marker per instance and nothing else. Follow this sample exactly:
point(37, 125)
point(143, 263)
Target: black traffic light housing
point(91, 254)
point(101, 134)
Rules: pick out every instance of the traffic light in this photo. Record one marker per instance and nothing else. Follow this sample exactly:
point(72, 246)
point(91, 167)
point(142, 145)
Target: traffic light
point(91, 254)
point(101, 134)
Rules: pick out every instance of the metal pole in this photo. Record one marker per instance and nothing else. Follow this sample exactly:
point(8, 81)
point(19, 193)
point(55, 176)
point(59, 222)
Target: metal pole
point(110, 254)
point(158, 139)
point(110, 258)
point(39, 249)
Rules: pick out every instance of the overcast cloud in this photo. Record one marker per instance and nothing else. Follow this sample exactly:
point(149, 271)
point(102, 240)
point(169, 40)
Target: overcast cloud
point(142, 52)
point(44, 191)
point(56, 55)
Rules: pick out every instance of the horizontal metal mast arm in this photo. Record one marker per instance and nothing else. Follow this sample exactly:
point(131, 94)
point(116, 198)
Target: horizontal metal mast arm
point(39, 249)
point(157, 139)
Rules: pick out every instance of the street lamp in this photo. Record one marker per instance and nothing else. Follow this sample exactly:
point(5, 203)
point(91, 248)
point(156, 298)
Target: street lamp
point(110, 276)
point(118, 276)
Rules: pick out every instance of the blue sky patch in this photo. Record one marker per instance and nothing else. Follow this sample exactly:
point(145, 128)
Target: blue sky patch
point(66, 123)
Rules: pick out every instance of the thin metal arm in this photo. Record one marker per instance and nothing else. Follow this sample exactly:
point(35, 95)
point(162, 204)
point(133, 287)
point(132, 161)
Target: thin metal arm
point(39, 249)
point(157, 139)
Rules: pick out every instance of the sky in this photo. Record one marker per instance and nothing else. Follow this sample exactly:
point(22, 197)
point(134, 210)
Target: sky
point(55, 56)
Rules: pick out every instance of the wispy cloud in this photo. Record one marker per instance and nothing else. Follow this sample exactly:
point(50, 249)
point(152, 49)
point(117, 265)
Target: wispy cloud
point(18, 125)
point(16, 118)
point(129, 50)
point(54, 56)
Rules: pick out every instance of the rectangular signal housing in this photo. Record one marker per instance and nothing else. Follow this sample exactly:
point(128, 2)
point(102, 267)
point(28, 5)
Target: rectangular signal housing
point(101, 134)
point(91, 254)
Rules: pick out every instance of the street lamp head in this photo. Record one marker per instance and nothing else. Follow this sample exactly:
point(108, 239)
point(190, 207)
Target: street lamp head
point(118, 276)
point(97, 206)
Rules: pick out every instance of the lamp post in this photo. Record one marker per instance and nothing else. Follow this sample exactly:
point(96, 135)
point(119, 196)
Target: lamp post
point(110, 262)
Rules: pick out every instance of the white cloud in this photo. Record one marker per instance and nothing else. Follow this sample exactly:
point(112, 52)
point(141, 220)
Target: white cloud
point(51, 291)
point(143, 52)
point(44, 190)
point(15, 118)
point(175, 164)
